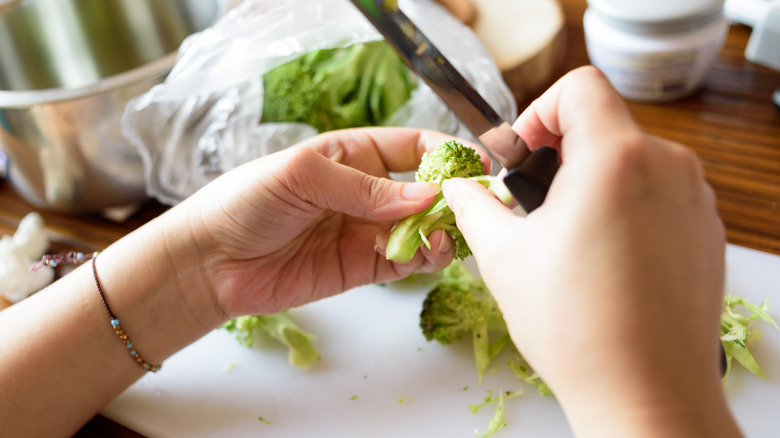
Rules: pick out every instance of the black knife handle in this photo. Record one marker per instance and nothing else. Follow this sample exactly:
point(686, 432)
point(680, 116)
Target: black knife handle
point(531, 179)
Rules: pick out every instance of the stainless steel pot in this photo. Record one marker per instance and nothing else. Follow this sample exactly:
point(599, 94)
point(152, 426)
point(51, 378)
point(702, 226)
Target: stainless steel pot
point(67, 69)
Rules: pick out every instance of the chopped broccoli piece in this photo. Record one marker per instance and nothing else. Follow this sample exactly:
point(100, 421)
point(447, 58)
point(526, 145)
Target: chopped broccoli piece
point(522, 370)
point(360, 85)
point(451, 159)
point(497, 422)
point(737, 335)
point(460, 303)
point(279, 326)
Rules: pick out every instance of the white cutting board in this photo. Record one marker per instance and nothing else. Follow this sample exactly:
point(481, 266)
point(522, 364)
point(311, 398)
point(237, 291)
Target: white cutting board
point(372, 348)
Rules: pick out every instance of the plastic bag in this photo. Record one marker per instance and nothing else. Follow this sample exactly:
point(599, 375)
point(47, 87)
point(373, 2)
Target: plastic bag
point(205, 118)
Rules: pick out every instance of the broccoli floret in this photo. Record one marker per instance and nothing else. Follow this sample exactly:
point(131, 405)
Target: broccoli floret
point(279, 326)
point(451, 159)
point(459, 303)
point(360, 85)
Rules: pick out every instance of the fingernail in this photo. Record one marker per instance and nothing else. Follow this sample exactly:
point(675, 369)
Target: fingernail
point(419, 190)
point(381, 244)
point(447, 186)
point(445, 244)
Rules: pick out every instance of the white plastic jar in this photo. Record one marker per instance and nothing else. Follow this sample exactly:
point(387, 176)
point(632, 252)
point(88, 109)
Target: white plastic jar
point(654, 50)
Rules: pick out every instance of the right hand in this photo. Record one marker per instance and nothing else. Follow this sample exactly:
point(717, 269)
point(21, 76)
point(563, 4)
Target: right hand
point(612, 289)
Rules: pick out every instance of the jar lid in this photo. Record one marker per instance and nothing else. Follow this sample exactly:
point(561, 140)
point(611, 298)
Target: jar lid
point(655, 11)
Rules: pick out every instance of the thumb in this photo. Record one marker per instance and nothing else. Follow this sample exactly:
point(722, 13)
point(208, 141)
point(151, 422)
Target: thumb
point(360, 194)
point(481, 217)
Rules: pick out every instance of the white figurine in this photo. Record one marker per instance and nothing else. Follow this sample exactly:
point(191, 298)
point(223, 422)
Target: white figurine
point(17, 254)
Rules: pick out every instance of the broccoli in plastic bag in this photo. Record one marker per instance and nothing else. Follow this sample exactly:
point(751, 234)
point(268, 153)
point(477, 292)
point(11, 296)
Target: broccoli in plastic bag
point(216, 109)
point(360, 85)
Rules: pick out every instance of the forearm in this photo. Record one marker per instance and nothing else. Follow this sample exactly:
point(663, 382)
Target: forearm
point(61, 360)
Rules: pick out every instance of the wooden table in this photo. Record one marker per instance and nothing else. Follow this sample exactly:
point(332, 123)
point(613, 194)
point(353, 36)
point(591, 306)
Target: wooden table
point(731, 124)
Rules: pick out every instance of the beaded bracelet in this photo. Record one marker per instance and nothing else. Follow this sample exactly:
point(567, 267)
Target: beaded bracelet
point(118, 328)
point(52, 260)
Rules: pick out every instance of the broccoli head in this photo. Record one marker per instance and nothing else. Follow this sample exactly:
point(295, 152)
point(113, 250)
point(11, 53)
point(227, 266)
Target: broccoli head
point(360, 85)
point(451, 159)
point(459, 304)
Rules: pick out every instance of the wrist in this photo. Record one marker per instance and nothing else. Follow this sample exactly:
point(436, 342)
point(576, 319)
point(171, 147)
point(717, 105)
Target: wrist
point(153, 282)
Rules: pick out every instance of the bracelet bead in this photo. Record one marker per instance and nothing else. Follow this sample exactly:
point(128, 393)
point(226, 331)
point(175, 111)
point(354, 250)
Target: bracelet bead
point(118, 328)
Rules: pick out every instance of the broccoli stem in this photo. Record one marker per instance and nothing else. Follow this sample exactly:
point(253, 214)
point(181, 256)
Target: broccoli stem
point(410, 233)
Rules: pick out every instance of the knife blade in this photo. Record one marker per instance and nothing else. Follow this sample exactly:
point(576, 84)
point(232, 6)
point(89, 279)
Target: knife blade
point(529, 173)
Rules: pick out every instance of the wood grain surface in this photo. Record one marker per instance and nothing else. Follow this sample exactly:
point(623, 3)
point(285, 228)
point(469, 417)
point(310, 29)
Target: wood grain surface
point(731, 124)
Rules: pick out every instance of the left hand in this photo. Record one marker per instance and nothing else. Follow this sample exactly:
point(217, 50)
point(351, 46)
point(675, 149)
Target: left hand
point(302, 224)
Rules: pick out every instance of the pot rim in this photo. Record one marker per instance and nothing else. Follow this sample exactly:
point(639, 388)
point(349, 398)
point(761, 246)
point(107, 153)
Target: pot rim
point(148, 71)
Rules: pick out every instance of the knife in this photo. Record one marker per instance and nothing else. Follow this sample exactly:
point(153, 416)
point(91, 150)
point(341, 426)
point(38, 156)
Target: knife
point(529, 173)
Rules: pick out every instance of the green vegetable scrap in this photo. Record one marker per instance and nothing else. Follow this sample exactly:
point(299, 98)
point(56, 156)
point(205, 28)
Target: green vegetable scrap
point(522, 370)
point(737, 335)
point(460, 303)
point(279, 326)
point(497, 422)
point(360, 85)
point(451, 159)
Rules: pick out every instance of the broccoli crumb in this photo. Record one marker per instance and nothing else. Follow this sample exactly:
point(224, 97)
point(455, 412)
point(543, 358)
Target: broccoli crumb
point(263, 420)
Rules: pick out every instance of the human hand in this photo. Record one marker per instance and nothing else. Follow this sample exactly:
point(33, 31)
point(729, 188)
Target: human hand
point(301, 225)
point(612, 289)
